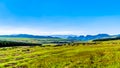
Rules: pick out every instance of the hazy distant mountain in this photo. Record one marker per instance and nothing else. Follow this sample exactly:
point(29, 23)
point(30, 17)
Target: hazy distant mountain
point(90, 37)
point(26, 36)
point(84, 38)
point(69, 37)
point(63, 36)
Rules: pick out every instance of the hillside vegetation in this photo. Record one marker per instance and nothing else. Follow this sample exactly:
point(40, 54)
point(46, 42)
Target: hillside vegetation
point(36, 40)
point(11, 43)
point(102, 55)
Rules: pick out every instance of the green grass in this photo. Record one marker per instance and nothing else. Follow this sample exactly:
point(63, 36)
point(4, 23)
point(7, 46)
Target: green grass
point(33, 40)
point(103, 55)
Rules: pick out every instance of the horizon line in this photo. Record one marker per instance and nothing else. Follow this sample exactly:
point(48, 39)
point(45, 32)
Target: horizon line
point(57, 34)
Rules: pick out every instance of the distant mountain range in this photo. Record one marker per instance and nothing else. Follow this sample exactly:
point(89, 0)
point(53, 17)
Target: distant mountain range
point(69, 37)
point(87, 37)
point(63, 36)
point(27, 36)
point(90, 37)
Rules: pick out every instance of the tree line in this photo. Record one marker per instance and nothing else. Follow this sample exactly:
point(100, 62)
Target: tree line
point(107, 39)
point(11, 43)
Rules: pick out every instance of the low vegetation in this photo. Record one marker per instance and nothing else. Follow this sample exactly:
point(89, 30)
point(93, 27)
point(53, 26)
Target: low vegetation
point(102, 55)
point(36, 40)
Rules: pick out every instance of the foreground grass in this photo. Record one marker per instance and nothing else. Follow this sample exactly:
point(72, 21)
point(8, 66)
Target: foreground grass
point(102, 55)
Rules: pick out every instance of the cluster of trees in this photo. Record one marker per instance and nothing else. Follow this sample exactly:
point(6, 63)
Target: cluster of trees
point(107, 39)
point(11, 43)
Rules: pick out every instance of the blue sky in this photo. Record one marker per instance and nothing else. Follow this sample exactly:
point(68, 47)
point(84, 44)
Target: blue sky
point(47, 17)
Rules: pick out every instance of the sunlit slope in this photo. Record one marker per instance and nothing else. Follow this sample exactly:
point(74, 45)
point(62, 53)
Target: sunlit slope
point(103, 55)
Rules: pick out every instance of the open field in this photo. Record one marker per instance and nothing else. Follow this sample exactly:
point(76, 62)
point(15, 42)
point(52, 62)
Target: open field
point(36, 40)
point(103, 55)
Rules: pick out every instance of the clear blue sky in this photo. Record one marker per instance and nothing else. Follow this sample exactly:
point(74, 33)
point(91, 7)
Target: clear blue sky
point(46, 17)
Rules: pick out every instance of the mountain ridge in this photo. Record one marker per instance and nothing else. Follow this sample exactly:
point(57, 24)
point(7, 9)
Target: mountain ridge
point(70, 37)
point(26, 36)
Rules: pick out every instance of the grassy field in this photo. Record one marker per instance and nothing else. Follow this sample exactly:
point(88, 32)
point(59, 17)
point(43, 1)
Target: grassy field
point(34, 40)
point(103, 55)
